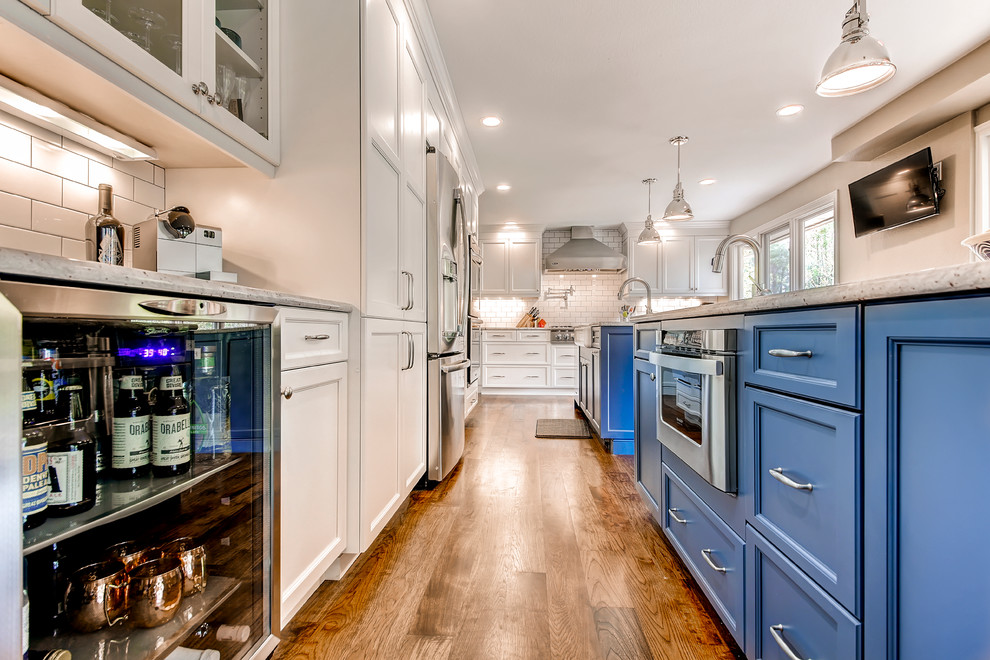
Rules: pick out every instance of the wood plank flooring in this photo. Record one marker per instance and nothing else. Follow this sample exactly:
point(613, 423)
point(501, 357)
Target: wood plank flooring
point(532, 548)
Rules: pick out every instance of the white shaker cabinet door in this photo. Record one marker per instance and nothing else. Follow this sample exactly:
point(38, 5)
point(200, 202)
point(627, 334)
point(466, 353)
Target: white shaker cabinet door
point(645, 265)
point(676, 265)
point(412, 408)
point(495, 266)
point(709, 283)
point(380, 68)
point(412, 267)
point(313, 480)
point(524, 266)
point(383, 279)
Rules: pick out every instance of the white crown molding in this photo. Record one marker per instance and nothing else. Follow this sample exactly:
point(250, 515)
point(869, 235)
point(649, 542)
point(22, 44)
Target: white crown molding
point(422, 22)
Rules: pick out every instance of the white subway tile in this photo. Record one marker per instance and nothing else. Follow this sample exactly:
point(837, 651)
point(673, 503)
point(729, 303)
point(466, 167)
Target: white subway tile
point(22, 239)
point(22, 180)
point(87, 152)
point(49, 219)
point(25, 126)
point(123, 184)
point(149, 194)
point(56, 160)
point(74, 249)
point(79, 197)
point(159, 176)
point(140, 169)
point(15, 211)
point(128, 212)
point(15, 146)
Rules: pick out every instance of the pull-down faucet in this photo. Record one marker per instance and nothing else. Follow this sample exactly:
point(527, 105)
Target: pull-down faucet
point(649, 293)
point(719, 259)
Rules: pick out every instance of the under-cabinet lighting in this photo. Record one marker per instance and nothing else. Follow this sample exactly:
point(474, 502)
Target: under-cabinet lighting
point(33, 106)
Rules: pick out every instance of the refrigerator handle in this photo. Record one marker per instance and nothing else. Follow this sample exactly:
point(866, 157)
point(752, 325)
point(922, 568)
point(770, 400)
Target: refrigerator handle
point(184, 307)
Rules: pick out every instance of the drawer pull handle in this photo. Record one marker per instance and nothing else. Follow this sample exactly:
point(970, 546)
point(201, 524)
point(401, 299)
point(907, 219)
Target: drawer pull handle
point(498, 376)
point(673, 514)
point(316, 337)
point(778, 474)
point(498, 353)
point(707, 555)
point(785, 352)
point(775, 632)
point(532, 354)
point(532, 376)
point(653, 376)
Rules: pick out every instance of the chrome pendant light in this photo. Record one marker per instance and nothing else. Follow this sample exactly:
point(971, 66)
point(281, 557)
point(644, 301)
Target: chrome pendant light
point(649, 235)
point(860, 62)
point(678, 209)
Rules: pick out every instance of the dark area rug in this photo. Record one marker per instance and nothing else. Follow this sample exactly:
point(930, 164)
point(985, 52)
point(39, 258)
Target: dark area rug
point(562, 428)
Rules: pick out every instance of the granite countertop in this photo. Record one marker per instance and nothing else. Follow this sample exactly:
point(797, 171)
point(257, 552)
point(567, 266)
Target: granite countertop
point(962, 278)
point(60, 270)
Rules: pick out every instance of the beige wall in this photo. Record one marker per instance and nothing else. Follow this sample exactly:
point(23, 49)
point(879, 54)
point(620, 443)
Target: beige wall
point(925, 244)
point(299, 232)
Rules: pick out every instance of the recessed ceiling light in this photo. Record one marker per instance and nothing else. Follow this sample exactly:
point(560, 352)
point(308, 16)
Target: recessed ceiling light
point(706, 182)
point(491, 121)
point(503, 187)
point(790, 110)
point(510, 223)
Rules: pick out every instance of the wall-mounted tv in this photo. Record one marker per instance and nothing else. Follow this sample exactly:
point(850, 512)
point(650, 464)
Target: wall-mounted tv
point(906, 191)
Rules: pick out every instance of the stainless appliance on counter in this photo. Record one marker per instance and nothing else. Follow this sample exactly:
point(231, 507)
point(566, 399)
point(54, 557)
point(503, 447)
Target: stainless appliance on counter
point(446, 321)
point(588, 340)
point(696, 396)
point(562, 334)
point(204, 371)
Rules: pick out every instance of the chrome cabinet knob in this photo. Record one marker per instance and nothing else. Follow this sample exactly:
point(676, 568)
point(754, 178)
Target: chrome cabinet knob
point(287, 392)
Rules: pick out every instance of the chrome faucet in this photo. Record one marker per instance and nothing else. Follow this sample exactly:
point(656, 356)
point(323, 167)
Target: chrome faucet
point(649, 292)
point(719, 259)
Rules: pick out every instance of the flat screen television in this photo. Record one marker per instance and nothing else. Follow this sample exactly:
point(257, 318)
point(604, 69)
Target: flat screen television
point(904, 192)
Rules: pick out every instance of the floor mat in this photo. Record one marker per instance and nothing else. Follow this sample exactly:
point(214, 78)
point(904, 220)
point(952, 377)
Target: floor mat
point(562, 428)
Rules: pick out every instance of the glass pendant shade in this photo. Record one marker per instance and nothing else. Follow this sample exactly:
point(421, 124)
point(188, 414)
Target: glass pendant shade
point(860, 62)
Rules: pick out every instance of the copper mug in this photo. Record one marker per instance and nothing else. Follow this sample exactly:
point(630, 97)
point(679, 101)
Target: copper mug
point(96, 596)
point(192, 555)
point(154, 592)
point(132, 554)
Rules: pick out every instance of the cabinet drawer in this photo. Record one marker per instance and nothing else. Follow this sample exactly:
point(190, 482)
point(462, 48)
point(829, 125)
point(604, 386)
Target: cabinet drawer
point(515, 376)
point(807, 490)
point(713, 552)
point(564, 355)
point(827, 347)
point(311, 337)
point(533, 335)
point(565, 378)
point(786, 609)
point(498, 335)
point(518, 353)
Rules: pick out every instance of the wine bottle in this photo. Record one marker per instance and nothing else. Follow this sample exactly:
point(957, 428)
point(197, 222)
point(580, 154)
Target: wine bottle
point(131, 453)
point(171, 450)
point(72, 457)
point(34, 478)
point(104, 233)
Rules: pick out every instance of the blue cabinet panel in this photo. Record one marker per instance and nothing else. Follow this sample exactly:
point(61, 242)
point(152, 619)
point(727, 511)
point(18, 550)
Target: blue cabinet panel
point(712, 552)
point(648, 477)
point(926, 460)
point(785, 611)
point(831, 373)
point(616, 384)
point(807, 487)
point(732, 508)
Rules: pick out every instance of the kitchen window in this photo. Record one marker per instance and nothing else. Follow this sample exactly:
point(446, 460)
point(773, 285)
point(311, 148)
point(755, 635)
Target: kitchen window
point(798, 251)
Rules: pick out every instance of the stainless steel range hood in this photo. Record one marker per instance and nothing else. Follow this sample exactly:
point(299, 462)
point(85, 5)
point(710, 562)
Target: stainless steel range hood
point(583, 253)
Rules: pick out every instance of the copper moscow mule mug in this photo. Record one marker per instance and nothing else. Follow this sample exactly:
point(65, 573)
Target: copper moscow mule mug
point(97, 596)
point(154, 592)
point(192, 555)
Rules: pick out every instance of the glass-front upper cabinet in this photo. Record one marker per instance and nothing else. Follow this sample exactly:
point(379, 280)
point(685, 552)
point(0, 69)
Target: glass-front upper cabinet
point(215, 57)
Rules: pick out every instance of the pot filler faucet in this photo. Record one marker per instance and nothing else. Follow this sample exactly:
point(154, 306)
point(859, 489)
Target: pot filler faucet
point(649, 293)
point(719, 259)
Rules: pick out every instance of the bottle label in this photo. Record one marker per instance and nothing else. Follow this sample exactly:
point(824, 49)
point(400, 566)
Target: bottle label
point(44, 389)
point(34, 480)
point(28, 401)
point(108, 247)
point(131, 442)
point(67, 477)
point(170, 439)
point(131, 383)
point(171, 383)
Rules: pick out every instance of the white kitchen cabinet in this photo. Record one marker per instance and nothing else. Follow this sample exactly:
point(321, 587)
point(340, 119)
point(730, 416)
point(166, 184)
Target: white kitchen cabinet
point(177, 47)
point(511, 265)
point(393, 424)
point(679, 266)
point(709, 283)
point(311, 460)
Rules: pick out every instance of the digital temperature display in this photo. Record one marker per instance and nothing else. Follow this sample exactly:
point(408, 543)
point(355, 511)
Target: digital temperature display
point(162, 350)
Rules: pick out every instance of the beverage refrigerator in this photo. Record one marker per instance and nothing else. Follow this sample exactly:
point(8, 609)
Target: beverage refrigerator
point(146, 460)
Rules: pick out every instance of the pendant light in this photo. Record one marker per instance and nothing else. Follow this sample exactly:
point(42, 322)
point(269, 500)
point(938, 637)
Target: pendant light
point(860, 62)
point(649, 235)
point(678, 209)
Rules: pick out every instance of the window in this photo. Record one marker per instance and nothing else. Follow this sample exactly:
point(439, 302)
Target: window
point(798, 251)
point(982, 217)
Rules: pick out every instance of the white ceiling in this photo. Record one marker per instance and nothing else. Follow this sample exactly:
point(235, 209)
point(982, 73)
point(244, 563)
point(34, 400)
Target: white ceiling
point(590, 92)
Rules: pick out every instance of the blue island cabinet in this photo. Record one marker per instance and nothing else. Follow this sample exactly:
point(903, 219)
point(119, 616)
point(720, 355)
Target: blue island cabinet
point(615, 383)
point(649, 480)
point(926, 461)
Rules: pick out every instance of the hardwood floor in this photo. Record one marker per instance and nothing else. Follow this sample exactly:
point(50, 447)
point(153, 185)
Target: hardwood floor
point(533, 548)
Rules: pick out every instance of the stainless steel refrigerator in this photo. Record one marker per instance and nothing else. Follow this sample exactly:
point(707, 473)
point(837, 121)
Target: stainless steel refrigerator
point(446, 322)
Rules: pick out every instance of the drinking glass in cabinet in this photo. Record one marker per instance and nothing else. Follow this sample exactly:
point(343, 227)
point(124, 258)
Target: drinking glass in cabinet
point(156, 27)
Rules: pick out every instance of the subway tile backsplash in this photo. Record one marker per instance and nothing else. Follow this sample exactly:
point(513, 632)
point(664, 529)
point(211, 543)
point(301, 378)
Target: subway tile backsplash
point(594, 299)
point(48, 190)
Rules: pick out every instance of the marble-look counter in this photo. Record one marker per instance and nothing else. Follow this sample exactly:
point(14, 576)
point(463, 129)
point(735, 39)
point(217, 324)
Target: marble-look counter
point(60, 270)
point(963, 278)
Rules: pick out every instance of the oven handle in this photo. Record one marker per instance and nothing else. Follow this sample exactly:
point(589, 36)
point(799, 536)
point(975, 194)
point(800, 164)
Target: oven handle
point(704, 366)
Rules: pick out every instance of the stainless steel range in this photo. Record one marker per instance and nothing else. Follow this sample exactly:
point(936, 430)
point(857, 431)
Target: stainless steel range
point(562, 334)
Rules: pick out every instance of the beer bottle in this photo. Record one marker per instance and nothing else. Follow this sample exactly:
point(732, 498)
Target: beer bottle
point(171, 451)
point(131, 444)
point(34, 477)
point(72, 457)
